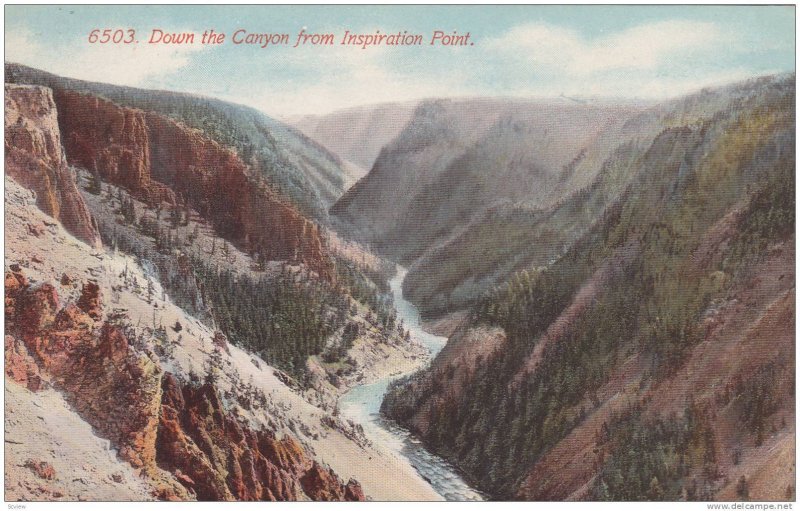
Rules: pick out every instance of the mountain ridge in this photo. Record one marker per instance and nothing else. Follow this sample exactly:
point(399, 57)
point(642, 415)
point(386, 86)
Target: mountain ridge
point(627, 368)
point(292, 164)
point(357, 134)
point(218, 333)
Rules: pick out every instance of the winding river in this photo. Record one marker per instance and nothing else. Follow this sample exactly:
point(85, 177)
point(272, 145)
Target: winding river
point(362, 405)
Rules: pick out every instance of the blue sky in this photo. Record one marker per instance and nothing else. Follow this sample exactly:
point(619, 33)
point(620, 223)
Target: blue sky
point(609, 51)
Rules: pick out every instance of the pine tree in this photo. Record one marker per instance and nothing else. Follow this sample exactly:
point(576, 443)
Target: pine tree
point(213, 367)
point(655, 492)
point(95, 183)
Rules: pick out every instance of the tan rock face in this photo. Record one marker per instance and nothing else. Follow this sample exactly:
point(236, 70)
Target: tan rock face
point(160, 160)
point(34, 159)
point(218, 458)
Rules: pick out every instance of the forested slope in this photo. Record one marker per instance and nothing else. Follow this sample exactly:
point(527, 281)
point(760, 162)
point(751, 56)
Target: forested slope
point(654, 359)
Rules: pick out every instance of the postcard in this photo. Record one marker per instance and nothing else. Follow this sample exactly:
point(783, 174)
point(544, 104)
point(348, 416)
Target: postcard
point(395, 253)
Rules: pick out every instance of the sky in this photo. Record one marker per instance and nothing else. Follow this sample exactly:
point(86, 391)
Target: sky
point(643, 52)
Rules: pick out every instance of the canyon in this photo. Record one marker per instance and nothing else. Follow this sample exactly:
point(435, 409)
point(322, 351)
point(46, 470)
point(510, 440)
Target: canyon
point(294, 166)
point(188, 166)
point(618, 369)
point(357, 135)
point(599, 301)
point(86, 325)
point(152, 420)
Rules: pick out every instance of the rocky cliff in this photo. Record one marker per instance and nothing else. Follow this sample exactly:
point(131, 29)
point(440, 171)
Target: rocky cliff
point(114, 387)
point(160, 160)
point(153, 421)
point(455, 158)
point(219, 457)
point(46, 423)
point(112, 141)
point(34, 158)
point(294, 165)
point(457, 162)
point(217, 183)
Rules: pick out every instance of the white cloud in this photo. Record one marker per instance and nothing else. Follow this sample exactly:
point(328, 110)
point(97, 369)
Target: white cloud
point(644, 47)
point(345, 76)
point(123, 64)
point(653, 60)
point(649, 61)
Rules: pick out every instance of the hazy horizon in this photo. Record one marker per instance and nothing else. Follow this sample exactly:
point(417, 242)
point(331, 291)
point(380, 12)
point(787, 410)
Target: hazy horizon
point(644, 52)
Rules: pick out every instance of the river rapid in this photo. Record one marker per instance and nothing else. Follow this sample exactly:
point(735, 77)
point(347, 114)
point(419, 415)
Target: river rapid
point(362, 405)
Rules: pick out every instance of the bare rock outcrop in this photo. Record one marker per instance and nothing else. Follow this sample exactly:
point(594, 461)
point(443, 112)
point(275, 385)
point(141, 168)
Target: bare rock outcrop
point(110, 140)
point(34, 158)
point(113, 386)
point(220, 458)
point(20, 366)
point(152, 419)
point(89, 302)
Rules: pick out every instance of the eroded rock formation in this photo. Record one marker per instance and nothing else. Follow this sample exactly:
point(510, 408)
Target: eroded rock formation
point(112, 385)
point(34, 158)
point(160, 160)
point(219, 457)
point(150, 418)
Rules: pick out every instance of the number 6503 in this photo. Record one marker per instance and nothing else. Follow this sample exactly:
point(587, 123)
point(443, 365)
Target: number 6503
point(109, 35)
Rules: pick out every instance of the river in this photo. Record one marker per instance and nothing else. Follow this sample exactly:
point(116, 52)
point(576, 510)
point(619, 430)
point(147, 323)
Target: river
point(362, 405)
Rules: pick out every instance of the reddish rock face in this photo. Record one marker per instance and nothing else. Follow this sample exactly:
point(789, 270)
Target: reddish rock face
point(89, 302)
point(113, 387)
point(321, 484)
point(101, 137)
point(20, 366)
point(15, 281)
point(112, 141)
point(353, 492)
point(35, 160)
point(219, 458)
point(218, 184)
point(37, 308)
point(42, 469)
point(158, 160)
point(150, 419)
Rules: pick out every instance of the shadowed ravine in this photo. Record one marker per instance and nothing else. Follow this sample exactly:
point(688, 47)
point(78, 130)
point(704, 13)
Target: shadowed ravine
point(362, 405)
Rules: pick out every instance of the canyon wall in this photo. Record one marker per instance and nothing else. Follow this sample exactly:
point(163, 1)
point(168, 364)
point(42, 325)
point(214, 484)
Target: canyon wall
point(654, 358)
point(34, 158)
point(160, 160)
point(221, 458)
point(154, 421)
